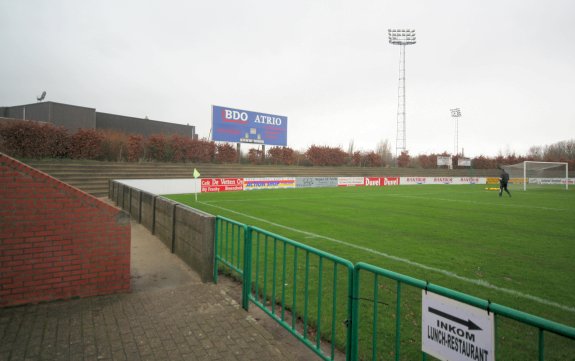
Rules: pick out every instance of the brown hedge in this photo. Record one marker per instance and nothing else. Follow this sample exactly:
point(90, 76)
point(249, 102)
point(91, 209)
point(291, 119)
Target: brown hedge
point(30, 139)
point(226, 153)
point(325, 156)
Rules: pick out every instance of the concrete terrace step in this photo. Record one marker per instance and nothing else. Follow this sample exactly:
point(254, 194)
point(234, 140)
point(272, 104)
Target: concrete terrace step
point(93, 176)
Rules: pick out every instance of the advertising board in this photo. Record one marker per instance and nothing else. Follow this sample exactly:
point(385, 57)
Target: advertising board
point(413, 180)
point(381, 181)
point(550, 181)
point(469, 180)
point(372, 182)
point(243, 126)
point(492, 180)
point(350, 181)
point(222, 184)
point(314, 182)
point(441, 180)
point(268, 183)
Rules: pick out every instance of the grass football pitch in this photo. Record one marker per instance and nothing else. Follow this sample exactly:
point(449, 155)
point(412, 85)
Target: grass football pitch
point(517, 251)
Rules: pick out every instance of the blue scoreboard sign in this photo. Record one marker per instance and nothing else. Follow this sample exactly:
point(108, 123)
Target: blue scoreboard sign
point(243, 126)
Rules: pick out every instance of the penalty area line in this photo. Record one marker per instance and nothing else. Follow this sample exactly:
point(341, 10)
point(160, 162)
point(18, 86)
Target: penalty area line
point(407, 261)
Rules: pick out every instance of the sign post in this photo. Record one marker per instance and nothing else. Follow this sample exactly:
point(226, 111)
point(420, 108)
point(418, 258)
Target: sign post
point(451, 330)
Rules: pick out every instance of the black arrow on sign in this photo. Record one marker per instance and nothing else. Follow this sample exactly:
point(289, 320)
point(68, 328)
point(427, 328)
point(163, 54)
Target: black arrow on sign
point(470, 324)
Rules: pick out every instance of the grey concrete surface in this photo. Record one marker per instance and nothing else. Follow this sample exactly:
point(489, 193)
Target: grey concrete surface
point(169, 315)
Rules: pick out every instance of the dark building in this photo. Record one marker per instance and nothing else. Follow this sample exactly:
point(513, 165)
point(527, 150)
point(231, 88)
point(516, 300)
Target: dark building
point(63, 115)
point(73, 117)
point(141, 126)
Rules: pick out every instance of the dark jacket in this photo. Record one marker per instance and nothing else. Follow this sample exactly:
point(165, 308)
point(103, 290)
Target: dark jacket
point(504, 178)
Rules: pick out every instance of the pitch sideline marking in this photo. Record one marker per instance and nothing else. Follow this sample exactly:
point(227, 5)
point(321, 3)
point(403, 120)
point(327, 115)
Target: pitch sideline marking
point(405, 260)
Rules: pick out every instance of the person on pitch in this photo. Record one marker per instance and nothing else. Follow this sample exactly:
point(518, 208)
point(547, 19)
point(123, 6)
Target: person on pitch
point(503, 180)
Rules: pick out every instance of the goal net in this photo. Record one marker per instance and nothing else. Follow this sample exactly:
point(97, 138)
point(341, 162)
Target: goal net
point(534, 174)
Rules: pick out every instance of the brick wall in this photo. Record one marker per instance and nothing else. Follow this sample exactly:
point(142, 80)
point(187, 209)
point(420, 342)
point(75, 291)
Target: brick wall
point(57, 242)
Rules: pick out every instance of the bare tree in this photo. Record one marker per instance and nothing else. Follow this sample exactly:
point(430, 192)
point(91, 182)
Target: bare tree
point(384, 150)
point(535, 152)
point(564, 150)
point(350, 148)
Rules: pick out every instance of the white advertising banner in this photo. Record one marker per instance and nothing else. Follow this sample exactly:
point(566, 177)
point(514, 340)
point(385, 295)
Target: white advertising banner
point(469, 180)
point(413, 180)
point(442, 180)
point(315, 182)
point(551, 181)
point(350, 181)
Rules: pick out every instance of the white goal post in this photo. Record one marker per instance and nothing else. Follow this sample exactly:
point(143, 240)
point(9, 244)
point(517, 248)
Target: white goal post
point(544, 173)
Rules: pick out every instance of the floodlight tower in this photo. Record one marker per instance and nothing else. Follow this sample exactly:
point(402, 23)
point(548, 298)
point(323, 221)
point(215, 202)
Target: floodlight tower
point(456, 113)
point(401, 37)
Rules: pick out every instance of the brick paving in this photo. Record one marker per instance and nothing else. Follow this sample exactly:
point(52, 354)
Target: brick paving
point(188, 320)
point(193, 322)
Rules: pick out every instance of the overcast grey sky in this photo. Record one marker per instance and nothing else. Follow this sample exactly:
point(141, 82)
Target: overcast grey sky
point(326, 65)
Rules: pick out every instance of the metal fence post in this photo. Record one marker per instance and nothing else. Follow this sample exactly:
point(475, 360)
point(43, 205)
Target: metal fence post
point(353, 325)
point(247, 281)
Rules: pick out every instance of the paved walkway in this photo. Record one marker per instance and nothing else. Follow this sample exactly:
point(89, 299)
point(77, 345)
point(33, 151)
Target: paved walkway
point(169, 315)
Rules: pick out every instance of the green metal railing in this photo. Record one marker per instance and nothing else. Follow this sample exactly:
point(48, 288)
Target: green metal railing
point(564, 347)
point(304, 289)
point(369, 312)
point(230, 241)
point(230, 246)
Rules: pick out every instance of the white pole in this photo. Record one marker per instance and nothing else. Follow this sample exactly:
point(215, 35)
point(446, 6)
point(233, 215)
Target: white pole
point(566, 176)
point(457, 136)
point(196, 188)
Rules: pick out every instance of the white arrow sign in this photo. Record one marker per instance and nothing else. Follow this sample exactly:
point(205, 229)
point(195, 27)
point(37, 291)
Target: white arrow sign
point(451, 330)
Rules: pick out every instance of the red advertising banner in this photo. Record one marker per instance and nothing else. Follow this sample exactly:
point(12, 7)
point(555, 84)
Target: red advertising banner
point(390, 181)
point(372, 181)
point(381, 181)
point(222, 184)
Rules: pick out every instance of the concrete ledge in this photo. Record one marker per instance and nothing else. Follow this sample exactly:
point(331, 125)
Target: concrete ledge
point(185, 231)
point(194, 240)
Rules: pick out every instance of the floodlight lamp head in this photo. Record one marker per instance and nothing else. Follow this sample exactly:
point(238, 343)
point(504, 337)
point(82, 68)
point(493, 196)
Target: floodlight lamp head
point(456, 112)
point(401, 36)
